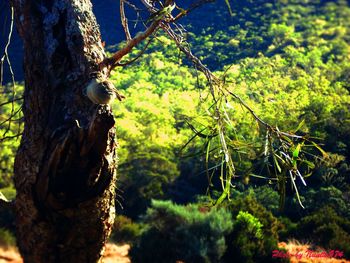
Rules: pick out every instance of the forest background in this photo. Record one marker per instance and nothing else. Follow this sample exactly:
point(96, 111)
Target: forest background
point(289, 60)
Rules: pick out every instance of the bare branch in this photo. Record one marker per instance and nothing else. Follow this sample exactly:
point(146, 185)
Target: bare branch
point(187, 51)
point(137, 10)
point(13, 89)
point(149, 6)
point(6, 55)
point(124, 21)
point(242, 102)
point(10, 101)
point(184, 12)
point(18, 135)
point(113, 61)
point(123, 64)
point(9, 119)
point(179, 41)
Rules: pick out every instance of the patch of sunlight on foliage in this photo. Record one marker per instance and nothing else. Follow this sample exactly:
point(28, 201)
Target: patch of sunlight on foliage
point(9, 146)
point(250, 223)
point(188, 233)
point(125, 230)
point(9, 192)
point(255, 232)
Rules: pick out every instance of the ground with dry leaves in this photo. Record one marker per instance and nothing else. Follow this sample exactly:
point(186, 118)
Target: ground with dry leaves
point(306, 253)
point(297, 252)
point(113, 253)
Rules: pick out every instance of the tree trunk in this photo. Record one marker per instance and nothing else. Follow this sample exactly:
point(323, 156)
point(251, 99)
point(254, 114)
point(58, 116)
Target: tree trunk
point(65, 168)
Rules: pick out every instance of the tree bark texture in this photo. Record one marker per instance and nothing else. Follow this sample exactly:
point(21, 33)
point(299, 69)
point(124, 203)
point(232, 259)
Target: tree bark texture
point(65, 168)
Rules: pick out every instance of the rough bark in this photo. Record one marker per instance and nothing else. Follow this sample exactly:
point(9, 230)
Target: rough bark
point(65, 168)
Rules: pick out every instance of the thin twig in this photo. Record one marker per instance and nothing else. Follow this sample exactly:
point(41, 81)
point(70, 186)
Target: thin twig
point(124, 21)
point(137, 10)
point(6, 55)
point(241, 101)
point(149, 6)
point(10, 101)
point(123, 64)
point(10, 137)
point(9, 119)
point(184, 12)
point(113, 61)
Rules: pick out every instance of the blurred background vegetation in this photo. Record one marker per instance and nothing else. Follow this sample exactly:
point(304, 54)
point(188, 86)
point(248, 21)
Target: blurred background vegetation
point(290, 62)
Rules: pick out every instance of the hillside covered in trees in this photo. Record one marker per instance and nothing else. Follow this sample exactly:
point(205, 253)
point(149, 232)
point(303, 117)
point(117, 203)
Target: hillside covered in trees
point(289, 60)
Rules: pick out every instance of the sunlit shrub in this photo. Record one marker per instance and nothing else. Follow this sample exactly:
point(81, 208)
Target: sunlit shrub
point(7, 239)
point(188, 233)
point(245, 242)
point(255, 233)
point(125, 230)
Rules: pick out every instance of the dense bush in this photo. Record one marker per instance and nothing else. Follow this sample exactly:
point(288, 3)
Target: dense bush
point(249, 204)
point(245, 242)
point(125, 230)
point(326, 228)
point(268, 197)
point(188, 233)
point(7, 239)
point(334, 170)
point(257, 237)
point(288, 229)
point(7, 216)
point(327, 196)
point(8, 130)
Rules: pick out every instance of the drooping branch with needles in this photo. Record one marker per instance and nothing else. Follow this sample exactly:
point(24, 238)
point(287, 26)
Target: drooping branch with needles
point(283, 149)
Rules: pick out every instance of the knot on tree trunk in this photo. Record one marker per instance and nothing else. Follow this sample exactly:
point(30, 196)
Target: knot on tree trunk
point(77, 166)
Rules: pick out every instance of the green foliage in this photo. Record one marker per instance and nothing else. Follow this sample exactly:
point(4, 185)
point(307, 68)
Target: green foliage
point(159, 71)
point(245, 242)
point(250, 204)
point(7, 216)
point(151, 125)
point(326, 228)
point(255, 232)
point(268, 197)
point(252, 225)
point(151, 131)
point(125, 230)
point(327, 196)
point(188, 233)
point(288, 229)
point(10, 125)
point(149, 172)
point(7, 239)
point(8, 192)
point(334, 171)
point(289, 60)
point(242, 33)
